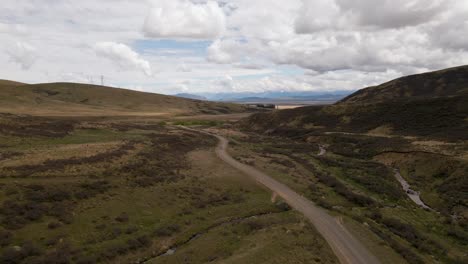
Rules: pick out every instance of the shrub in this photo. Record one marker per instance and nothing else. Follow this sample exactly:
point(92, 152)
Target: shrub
point(139, 242)
point(5, 237)
point(458, 234)
point(342, 190)
point(282, 206)
point(410, 234)
point(122, 218)
point(18, 253)
point(131, 230)
point(86, 260)
point(167, 230)
point(405, 252)
point(254, 225)
point(54, 225)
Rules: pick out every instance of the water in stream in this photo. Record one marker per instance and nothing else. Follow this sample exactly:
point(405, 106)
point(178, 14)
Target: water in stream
point(412, 194)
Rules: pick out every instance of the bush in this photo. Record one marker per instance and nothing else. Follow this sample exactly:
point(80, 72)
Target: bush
point(342, 190)
point(405, 252)
point(54, 225)
point(122, 218)
point(458, 234)
point(5, 238)
point(410, 234)
point(282, 206)
point(139, 242)
point(254, 225)
point(86, 260)
point(324, 204)
point(131, 230)
point(165, 231)
point(18, 253)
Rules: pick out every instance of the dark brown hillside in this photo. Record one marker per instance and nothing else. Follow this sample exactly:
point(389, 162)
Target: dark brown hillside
point(448, 82)
point(443, 118)
point(429, 105)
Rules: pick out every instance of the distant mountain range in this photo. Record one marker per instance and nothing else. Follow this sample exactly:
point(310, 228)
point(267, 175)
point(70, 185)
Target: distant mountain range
point(191, 96)
point(270, 96)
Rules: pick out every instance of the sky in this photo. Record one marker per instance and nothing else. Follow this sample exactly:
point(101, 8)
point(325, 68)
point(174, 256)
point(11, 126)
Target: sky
point(196, 46)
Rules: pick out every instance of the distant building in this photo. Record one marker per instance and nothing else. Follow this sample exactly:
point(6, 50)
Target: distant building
point(266, 106)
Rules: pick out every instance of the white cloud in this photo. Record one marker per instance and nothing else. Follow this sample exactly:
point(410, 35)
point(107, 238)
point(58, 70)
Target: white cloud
point(390, 13)
point(217, 54)
point(123, 55)
point(13, 29)
point(184, 19)
point(184, 68)
point(316, 16)
point(23, 54)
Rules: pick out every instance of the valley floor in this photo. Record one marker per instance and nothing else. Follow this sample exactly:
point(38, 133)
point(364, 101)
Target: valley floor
point(145, 190)
point(123, 191)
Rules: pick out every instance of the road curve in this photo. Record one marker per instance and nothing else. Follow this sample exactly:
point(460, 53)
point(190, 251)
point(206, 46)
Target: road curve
point(345, 246)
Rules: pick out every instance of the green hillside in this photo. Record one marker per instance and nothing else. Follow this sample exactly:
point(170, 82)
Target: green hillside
point(83, 99)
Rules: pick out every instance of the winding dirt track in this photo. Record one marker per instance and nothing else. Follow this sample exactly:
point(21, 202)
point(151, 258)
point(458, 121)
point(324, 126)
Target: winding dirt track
point(346, 247)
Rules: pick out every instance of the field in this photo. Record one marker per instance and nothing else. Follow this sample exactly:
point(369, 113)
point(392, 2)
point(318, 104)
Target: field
point(136, 190)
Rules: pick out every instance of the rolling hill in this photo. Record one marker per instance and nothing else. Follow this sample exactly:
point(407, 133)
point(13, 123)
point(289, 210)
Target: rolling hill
point(433, 104)
point(443, 83)
point(70, 99)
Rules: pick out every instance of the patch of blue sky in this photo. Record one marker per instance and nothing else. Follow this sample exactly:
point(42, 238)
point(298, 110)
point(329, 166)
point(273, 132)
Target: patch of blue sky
point(168, 47)
point(252, 76)
point(284, 70)
point(289, 70)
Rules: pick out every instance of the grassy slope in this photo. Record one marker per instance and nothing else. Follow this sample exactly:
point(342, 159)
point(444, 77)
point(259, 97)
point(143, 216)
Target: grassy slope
point(82, 99)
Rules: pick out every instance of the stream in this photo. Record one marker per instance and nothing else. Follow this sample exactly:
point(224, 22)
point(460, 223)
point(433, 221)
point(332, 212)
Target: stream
point(322, 151)
point(412, 194)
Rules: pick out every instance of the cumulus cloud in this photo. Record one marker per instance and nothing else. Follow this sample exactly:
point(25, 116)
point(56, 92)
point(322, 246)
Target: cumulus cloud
point(451, 30)
point(184, 19)
point(219, 54)
point(184, 68)
point(390, 13)
point(123, 55)
point(363, 35)
point(23, 54)
point(316, 16)
point(13, 29)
